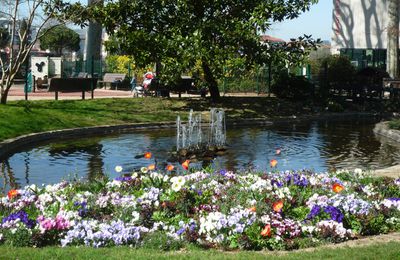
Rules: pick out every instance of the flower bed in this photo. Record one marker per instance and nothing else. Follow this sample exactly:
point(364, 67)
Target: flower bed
point(247, 210)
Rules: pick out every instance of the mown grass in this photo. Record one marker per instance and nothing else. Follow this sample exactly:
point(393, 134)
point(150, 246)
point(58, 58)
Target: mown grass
point(24, 117)
point(390, 250)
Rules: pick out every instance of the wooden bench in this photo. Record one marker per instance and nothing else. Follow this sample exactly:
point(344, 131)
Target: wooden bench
point(112, 78)
point(68, 85)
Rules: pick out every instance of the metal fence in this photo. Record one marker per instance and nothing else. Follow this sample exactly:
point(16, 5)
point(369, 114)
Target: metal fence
point(258, 80)
point(95, 68)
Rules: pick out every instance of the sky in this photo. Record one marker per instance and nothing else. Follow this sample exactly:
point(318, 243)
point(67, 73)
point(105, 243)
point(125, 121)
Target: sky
point(317, 21)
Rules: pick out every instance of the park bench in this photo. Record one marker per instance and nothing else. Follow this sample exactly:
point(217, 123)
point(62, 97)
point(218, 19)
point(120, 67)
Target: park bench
point(112, 78)
point(80, 75)
point(185, 85)
point(68, 85)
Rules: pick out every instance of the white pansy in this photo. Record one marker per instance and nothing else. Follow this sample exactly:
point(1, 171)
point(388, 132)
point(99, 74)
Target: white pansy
point(176, 186)
point(178, 179)
point(135, 216)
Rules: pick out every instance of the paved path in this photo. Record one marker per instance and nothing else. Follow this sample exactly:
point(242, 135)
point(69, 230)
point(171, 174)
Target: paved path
point(17, 93)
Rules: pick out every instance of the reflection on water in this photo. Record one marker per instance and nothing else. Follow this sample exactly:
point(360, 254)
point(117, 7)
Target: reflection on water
point(318, 145)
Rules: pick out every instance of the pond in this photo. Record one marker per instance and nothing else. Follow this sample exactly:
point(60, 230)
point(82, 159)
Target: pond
point(318, 145)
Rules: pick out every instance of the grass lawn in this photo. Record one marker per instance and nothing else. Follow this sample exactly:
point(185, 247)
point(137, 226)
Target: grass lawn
point(24, 117)
point(389, 250)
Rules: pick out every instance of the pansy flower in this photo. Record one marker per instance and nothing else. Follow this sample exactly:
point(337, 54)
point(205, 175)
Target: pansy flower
point(266, 232)
point(337, 188)
point(273, 163)
point(277, 206)
point(147, 155)
point(185, 165)
point(12, 194)
point(170, 167)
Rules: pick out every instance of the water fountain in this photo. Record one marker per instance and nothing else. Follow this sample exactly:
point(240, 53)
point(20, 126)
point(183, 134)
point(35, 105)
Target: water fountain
point(192, 142)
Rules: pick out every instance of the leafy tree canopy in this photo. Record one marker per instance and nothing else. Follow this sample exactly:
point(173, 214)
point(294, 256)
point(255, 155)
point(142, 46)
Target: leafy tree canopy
point(60, 38)
point(181, 33)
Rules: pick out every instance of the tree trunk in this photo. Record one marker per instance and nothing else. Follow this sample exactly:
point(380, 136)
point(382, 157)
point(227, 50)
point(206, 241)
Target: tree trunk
point(211, 81)
point(392, 58)
point(93, 39)
point(4, 94)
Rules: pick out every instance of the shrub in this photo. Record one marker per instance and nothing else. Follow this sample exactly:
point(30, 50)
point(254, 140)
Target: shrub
point(291, 86)
point(336, 72)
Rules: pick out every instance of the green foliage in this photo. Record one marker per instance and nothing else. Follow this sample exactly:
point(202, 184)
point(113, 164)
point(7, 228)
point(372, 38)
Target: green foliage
point(180, 34)
point(334, 106)
point(292, 87)
point(305, 242)
point(60, 38)
point(160, 241)
point(20, 238)
point(340, 71)
point(394, 124)
point(119, 64)
point(376, 225)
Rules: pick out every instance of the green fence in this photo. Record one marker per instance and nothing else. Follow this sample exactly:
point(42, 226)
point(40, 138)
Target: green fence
point(91, 67)
point(258, 80)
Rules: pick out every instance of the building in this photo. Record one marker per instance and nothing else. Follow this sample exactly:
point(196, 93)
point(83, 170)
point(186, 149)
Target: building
point(359, 31)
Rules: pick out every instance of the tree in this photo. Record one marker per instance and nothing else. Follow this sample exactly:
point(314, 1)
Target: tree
point(27, 17)
point(60, 38)
point(93, 37)
point(392, 59)
point(181, 33)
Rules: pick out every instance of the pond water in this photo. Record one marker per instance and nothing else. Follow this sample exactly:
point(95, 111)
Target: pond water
point(318, 145)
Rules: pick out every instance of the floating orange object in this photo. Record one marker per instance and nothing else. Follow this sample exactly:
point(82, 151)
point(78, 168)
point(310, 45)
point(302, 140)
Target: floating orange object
point(278, 151)
point(185, 164)
point(151, 167)
point(337, 188)
point(266, 232)
point(273, 163)
point(12, 193)
point(278, 206)
point(170, 167)
point(147, 155)
point(253, 209)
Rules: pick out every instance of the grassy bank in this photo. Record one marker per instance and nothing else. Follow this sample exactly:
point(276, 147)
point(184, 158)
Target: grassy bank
point(21, 117)
point(378, 251)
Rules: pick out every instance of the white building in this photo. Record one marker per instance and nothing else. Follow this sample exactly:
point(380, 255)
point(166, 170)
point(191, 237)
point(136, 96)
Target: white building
point(359, 31)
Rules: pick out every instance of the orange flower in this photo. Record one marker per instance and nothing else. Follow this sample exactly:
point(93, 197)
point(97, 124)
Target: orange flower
point(147, 155)
point(278, 151)
point(273, 163)
point(266, 232)
point(337, 188)
point(170, 167)
point(253, 209)
point(278, 206)
point(12, 193)
point(185, 164)
point(151, 167)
